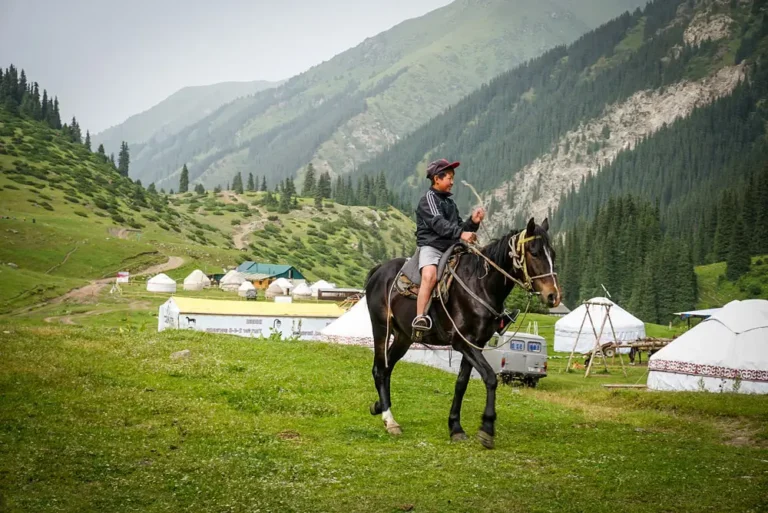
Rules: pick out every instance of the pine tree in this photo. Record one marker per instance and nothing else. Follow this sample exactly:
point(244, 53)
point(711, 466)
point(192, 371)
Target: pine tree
point(101, 152)
point(318, 198)
point(263, 187)
point(199, 189)
point(237, 183)
point(250, 186)
point(738, 260)
point(112, 160)
point(87, 140)
point(152, 189)
point(184, 179)
point(123, 159)
point(308, 189)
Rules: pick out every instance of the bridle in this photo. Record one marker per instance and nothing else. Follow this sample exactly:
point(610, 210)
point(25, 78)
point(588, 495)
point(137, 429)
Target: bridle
point(520, 262)
point(516, 245)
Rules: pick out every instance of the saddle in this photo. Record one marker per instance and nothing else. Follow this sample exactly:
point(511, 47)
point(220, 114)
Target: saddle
point(408, 280)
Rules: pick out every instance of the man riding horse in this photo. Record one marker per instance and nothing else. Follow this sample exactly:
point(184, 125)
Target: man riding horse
point(438, 227)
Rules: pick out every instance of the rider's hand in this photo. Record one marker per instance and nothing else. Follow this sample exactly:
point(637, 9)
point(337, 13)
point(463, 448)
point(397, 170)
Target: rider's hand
point(478, 215)
point(469, 237)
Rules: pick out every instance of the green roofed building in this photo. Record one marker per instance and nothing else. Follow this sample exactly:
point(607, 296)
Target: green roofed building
point(260, 274)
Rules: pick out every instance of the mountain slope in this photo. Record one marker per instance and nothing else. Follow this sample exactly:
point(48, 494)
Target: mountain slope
point(67, 216)
point(179, 110)
point(536, 130)
point(343, 111)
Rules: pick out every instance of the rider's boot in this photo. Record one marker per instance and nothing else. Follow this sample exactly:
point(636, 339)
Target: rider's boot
point(420, 325)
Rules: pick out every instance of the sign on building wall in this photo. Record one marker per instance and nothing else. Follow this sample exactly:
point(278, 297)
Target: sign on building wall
point(307, 328)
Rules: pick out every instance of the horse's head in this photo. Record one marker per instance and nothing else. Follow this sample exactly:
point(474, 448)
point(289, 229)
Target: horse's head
point(537, 257)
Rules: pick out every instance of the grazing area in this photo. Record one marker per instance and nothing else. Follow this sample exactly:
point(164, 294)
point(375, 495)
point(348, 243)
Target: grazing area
point(106, 420)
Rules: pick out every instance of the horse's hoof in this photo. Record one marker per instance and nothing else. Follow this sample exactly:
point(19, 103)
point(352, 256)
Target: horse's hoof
point(459, 437)
point(394, 430)
point(485, 439)
point(375, 409)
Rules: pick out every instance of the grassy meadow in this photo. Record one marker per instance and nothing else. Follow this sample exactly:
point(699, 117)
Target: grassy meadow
point(102, 420)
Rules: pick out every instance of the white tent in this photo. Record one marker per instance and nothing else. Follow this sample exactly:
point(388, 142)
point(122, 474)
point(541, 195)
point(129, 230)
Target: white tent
point(279, 287)
point(628, 327)
point(232, 280)
point(197, 280)
point(244, 287)
point(322, 284)
point(161, 283)
point(727, 352)
point(301, 290)
point(354, 327)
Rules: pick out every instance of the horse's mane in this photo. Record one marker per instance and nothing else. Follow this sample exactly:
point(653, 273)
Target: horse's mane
point(498, 249)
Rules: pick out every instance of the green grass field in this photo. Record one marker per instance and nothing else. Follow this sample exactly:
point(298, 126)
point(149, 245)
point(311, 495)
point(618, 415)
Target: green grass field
point(98, 420)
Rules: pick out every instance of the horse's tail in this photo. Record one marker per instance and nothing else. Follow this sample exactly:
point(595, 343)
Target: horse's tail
point(370, 273)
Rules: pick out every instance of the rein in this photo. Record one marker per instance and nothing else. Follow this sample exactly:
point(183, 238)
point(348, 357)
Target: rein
point(519, 261)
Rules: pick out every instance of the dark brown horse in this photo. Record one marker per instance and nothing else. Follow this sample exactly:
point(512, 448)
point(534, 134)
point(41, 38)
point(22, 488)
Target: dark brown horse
point(462, 322)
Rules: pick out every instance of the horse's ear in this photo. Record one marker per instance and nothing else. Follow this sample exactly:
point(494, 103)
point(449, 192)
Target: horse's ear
point(531, 228)
point(545, 225)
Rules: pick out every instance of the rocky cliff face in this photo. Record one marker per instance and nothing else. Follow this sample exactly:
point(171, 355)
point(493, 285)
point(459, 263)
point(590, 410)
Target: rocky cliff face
point(538, 186)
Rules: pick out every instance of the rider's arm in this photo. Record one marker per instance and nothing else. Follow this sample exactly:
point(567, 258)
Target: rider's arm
point(430, 213)
point(469, 225)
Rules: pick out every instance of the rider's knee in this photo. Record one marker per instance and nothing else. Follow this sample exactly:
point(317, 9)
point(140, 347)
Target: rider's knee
point(429, 275)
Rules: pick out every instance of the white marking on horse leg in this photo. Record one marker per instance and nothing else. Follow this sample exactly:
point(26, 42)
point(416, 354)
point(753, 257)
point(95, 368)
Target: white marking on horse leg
point(389, 420)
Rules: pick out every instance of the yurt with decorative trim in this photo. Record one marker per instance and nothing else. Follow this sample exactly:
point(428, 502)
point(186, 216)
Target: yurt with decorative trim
point(727, 352)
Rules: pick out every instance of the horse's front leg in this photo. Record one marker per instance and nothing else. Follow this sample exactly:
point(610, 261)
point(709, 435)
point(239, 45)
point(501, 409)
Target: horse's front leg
point(478, 361)
point(454, 419)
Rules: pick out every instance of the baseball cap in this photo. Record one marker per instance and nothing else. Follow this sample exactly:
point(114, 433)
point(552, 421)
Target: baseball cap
point(438, 166)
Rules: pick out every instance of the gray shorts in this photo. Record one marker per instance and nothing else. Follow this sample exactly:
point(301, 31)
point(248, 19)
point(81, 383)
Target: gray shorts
point(429, 256)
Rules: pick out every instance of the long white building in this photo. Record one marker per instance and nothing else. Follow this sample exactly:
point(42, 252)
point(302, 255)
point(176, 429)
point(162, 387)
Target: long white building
point(247, 318)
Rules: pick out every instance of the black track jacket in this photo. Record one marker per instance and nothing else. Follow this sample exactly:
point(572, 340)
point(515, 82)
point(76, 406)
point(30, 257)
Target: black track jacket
point(438, 223)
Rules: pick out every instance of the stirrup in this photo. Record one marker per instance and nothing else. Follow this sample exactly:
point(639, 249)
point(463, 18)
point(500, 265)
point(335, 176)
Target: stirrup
point(419, 326)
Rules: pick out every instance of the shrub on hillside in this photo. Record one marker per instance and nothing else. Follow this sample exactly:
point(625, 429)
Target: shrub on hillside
point(80, 213)
point(273, 218)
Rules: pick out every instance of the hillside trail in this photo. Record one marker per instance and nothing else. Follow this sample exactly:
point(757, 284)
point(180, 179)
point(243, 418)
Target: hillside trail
point(241, 233)
point(91, 291)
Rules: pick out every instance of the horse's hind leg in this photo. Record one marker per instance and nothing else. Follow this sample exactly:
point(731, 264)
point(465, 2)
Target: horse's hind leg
point(381, 378)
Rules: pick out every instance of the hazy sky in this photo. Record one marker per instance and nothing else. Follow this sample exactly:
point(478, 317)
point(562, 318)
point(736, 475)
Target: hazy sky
point(107, 60)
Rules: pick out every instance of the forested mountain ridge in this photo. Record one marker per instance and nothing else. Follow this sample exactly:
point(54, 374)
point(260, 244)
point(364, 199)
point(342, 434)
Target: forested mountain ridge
point(183, 108)
point(343, 111)
point(532, 132)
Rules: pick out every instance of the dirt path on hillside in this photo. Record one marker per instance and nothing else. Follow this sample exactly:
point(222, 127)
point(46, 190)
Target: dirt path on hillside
point(63, 261)
point(173, 262)
point(90, 292)
point(241, 233)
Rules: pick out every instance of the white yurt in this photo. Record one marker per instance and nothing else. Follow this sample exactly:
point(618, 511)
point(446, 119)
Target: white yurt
point(232, 280)
point(322, 284)
point(728, 352)
point(353, 328)
point(244, 287)
point(279, 287)
point(197, 280)
point(161, 283)
point(301, 290)
point(628, 327)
